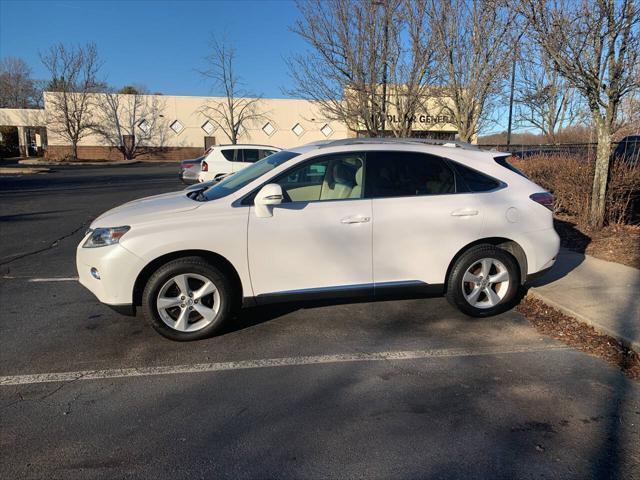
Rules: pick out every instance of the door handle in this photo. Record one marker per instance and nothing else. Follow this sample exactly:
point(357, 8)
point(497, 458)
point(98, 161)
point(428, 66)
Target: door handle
point(355, 219)
point(464, 212)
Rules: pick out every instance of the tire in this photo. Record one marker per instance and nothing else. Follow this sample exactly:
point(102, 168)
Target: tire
point(166, 300)
point(472, 293)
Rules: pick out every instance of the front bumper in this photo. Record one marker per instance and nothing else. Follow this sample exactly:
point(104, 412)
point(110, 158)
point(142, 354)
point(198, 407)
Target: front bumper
point(118, 269)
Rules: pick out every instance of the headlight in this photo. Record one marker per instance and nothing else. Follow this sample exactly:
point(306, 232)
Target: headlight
point(101, 237)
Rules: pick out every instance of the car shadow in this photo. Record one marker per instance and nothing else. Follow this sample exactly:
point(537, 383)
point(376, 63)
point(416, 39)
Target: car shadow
point(573, 244)
point(249, 317)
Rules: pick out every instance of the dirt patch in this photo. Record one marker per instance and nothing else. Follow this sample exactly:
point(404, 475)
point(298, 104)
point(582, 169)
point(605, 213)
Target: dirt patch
point(614, 243)
point(570, 331)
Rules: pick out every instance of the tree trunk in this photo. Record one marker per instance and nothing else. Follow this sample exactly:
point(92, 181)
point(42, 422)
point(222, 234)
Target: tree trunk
point(74, 148)
point(601, 174)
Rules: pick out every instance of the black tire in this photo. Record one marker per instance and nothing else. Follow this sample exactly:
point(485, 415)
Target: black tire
point(187, 265)
point(456, 290)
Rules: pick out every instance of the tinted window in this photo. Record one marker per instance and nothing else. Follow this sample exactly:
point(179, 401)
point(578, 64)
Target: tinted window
point(251, 155)
point(405, 174)
point(266, 153)
point(474, 181)
point(332, 177)
point(230, 154)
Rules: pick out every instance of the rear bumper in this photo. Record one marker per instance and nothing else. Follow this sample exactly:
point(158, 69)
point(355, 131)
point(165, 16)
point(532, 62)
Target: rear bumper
point(541, 248)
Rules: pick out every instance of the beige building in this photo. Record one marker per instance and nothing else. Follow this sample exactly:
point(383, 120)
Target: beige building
point(170, 127)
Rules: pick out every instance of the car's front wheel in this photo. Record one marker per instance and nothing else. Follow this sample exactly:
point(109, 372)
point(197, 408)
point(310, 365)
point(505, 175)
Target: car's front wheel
point(484, 281)
point(187, 299)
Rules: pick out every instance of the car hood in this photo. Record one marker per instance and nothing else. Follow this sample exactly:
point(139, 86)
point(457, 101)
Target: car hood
point(146, 209)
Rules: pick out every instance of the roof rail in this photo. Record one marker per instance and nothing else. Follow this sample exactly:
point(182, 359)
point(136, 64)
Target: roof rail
point(393, 140)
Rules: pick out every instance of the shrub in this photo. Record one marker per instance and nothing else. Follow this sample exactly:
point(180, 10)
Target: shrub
point(570, 179)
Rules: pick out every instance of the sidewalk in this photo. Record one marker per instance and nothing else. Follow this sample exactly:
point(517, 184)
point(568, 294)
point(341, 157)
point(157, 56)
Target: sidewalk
point(605, 295)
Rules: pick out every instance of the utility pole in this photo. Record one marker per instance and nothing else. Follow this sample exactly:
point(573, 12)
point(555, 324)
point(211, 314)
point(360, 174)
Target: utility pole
point(513, 82)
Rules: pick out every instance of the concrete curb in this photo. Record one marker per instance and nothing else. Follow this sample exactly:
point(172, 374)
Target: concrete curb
point(77, 164)
point(584, 319)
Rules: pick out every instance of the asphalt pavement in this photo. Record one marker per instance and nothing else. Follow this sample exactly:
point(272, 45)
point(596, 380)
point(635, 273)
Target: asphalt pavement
point(389, 389)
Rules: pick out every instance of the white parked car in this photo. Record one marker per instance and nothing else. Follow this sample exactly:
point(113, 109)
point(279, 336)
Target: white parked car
point(225, 159)
point(351, 217)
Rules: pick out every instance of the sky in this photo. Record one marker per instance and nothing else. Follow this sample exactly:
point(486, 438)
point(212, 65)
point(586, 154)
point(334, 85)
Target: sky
point(159, 43)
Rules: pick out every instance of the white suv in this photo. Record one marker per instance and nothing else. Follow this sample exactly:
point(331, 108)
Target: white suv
point(225, 159)
point(351, 217)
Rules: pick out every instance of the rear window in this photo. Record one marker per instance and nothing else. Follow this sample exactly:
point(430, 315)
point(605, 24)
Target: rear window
point(473, 181)
point(504, 162)
point(229, 154)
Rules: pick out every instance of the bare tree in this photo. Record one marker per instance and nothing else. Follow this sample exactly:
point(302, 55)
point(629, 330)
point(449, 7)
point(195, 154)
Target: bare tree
point(74, 81)
point(594, 45)
point(130, 120)
point(411, 67)
point(474, 42)
point(343, 69)
point(239, 109)
point(17, 88)
point(544, 99)
point(369, 64)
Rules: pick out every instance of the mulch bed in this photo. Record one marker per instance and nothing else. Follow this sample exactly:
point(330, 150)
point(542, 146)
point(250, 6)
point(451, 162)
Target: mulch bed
point(614, 243)
point(569, 331)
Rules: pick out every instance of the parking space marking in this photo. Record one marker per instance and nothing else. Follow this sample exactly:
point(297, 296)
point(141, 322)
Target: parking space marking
point(36, 279)
point(54, 279)
point(272, 363)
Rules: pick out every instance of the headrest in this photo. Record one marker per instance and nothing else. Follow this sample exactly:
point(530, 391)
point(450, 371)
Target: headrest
point(359, 176)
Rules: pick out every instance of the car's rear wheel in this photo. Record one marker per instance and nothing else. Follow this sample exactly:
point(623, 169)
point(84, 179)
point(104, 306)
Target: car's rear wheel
point(484, 281)
point(187, 299)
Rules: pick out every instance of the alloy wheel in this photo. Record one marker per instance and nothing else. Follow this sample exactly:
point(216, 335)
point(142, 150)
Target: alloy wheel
point(485, 283)
point(188, 302)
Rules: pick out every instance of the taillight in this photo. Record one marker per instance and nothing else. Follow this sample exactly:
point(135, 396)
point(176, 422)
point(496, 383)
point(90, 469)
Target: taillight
point(204, 167)
point(187, 165)
point(543, 198)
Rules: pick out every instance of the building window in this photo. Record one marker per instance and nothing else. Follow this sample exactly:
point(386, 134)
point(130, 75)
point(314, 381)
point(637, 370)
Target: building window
point(326, 130)
point(176, 126)
point(208, 127)
point(144, 126)
point(297, 129)
point(268, 129)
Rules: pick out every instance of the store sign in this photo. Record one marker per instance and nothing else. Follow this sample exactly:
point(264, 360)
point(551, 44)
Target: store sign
point(422, 118)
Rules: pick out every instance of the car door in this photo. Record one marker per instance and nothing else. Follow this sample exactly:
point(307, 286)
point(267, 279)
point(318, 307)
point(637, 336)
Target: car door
point(422, 217)
point(318, 241)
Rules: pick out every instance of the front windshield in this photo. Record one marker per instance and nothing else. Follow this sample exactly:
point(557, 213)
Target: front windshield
point(247, 175)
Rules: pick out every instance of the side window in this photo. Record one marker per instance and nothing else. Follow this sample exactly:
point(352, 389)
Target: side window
point(473, 180)
point(229, 154)
point(266, 153)
point(405, 174)
point(251, 155)
point(333, 177)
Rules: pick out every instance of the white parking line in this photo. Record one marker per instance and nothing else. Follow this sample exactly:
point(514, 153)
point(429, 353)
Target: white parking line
point(54, 279)
point(271, 363)
point(46, 279)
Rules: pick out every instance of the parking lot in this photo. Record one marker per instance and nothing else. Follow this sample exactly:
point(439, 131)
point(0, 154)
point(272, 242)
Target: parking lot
point(398, 388)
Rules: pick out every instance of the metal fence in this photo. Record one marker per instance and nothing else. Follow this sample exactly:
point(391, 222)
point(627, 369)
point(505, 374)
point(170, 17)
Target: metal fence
point(524, 151)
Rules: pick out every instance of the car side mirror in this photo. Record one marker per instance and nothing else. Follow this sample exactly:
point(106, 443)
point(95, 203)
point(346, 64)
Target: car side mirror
point(267, 197)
